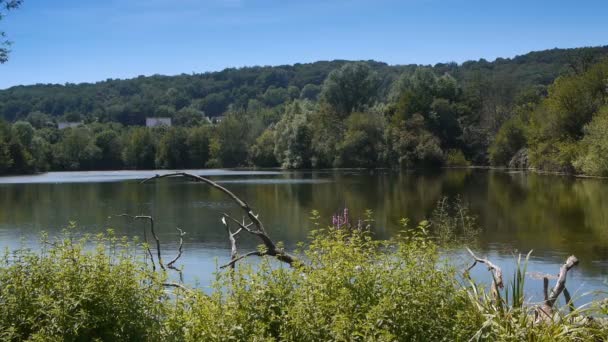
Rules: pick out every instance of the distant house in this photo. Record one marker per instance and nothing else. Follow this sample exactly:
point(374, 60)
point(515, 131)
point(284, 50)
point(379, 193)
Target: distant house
point(158, 122)
point(217, 119)
point(68, 124)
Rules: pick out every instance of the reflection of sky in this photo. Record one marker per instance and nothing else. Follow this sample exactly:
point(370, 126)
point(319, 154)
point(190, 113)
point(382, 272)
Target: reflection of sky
point(115, 176)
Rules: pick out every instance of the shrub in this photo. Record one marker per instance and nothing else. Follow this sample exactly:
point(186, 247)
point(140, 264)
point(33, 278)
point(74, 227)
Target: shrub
point(456, 158)
point(593, 154)
point(79, 290)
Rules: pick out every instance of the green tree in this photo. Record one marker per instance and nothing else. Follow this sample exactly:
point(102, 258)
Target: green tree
point(412, 145)
point(293, 137)
point(350, 88)
point(199, 139)
point(230, 142)
point(110, 145)
point(363, 144)
point(510, 138)
point(262, 152)
point(592, 156)
point(6, 161)
point(140, 149)
point(172, 151)
point(76, 150)
point(310, 92)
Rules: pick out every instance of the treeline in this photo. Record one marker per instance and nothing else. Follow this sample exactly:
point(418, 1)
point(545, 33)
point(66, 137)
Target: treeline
point(566, 131)
point(324, 114)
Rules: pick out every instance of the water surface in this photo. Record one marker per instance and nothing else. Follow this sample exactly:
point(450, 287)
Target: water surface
point(555, 216)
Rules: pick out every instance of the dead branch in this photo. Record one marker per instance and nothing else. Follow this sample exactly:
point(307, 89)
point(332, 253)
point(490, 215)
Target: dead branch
point(232, 238)
point(255, 227)
point(497, 282)
point(547, 309)
point(569, 301)
point(177, 285)
point(146, 238)
point(179, 250)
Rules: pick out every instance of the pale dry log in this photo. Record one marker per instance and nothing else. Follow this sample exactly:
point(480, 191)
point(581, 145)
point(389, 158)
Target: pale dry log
point(497, 282)
point(545, 311)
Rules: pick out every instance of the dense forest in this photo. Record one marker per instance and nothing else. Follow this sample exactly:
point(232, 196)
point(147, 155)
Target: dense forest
point(546, 110)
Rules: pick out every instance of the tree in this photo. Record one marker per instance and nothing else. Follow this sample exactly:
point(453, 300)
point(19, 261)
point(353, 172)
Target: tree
point(6, 161)
point(293, 137)
point(412, 145)
point(229, 146)
point(363, 144)
point(511, 137)
point(110, 146)
point(76, 150)
point(23, 132)
point(172, 152)
point(350, 88)
point(593, 148)
point(198, 143)
point(6, 5)
point(188, 117)
point(262, 152)
point(140, 149)
point(310, 92)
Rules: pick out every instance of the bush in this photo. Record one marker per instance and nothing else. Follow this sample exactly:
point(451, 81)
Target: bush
point(70, 292)
point(456, 158)
point(593, 153)
point(351, 288)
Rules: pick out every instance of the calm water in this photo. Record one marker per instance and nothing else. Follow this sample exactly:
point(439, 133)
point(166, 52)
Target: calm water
point(555, 216)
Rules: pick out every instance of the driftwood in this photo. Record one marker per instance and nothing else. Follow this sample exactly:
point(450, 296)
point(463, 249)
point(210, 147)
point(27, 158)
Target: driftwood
point(497, 282)
point(171, 264)
point(255, 227)
point(546, 310)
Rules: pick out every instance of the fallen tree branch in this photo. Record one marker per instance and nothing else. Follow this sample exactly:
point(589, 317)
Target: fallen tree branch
point(497, 282)
point(255, 227)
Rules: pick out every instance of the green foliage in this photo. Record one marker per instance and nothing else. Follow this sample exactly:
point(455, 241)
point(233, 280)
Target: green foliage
point(593, 148)
point(140, 149)
point(324, 114)
point(172, 152)
point(76, 150)
point(262, 152)
point(411, 144)
point(558, 124)
point(110, 146)
point(363, 144)
point(456, 158)
point(70, 292)
point(350, 88)
point(293, 137)
point(452, 223)
point(230, 141)
point(198, 146)
point(510, 138)
point(351, 287)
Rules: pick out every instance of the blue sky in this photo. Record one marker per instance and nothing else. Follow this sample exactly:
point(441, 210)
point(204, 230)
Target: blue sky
point(58, 41)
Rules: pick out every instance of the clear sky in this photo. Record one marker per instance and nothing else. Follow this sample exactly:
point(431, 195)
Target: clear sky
point(58, 41)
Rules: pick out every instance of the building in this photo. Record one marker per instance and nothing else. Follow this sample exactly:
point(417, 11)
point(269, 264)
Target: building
point(68, 124)
point(158, 122)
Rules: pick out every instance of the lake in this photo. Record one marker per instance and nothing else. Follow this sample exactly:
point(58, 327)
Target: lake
point(553, 215)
